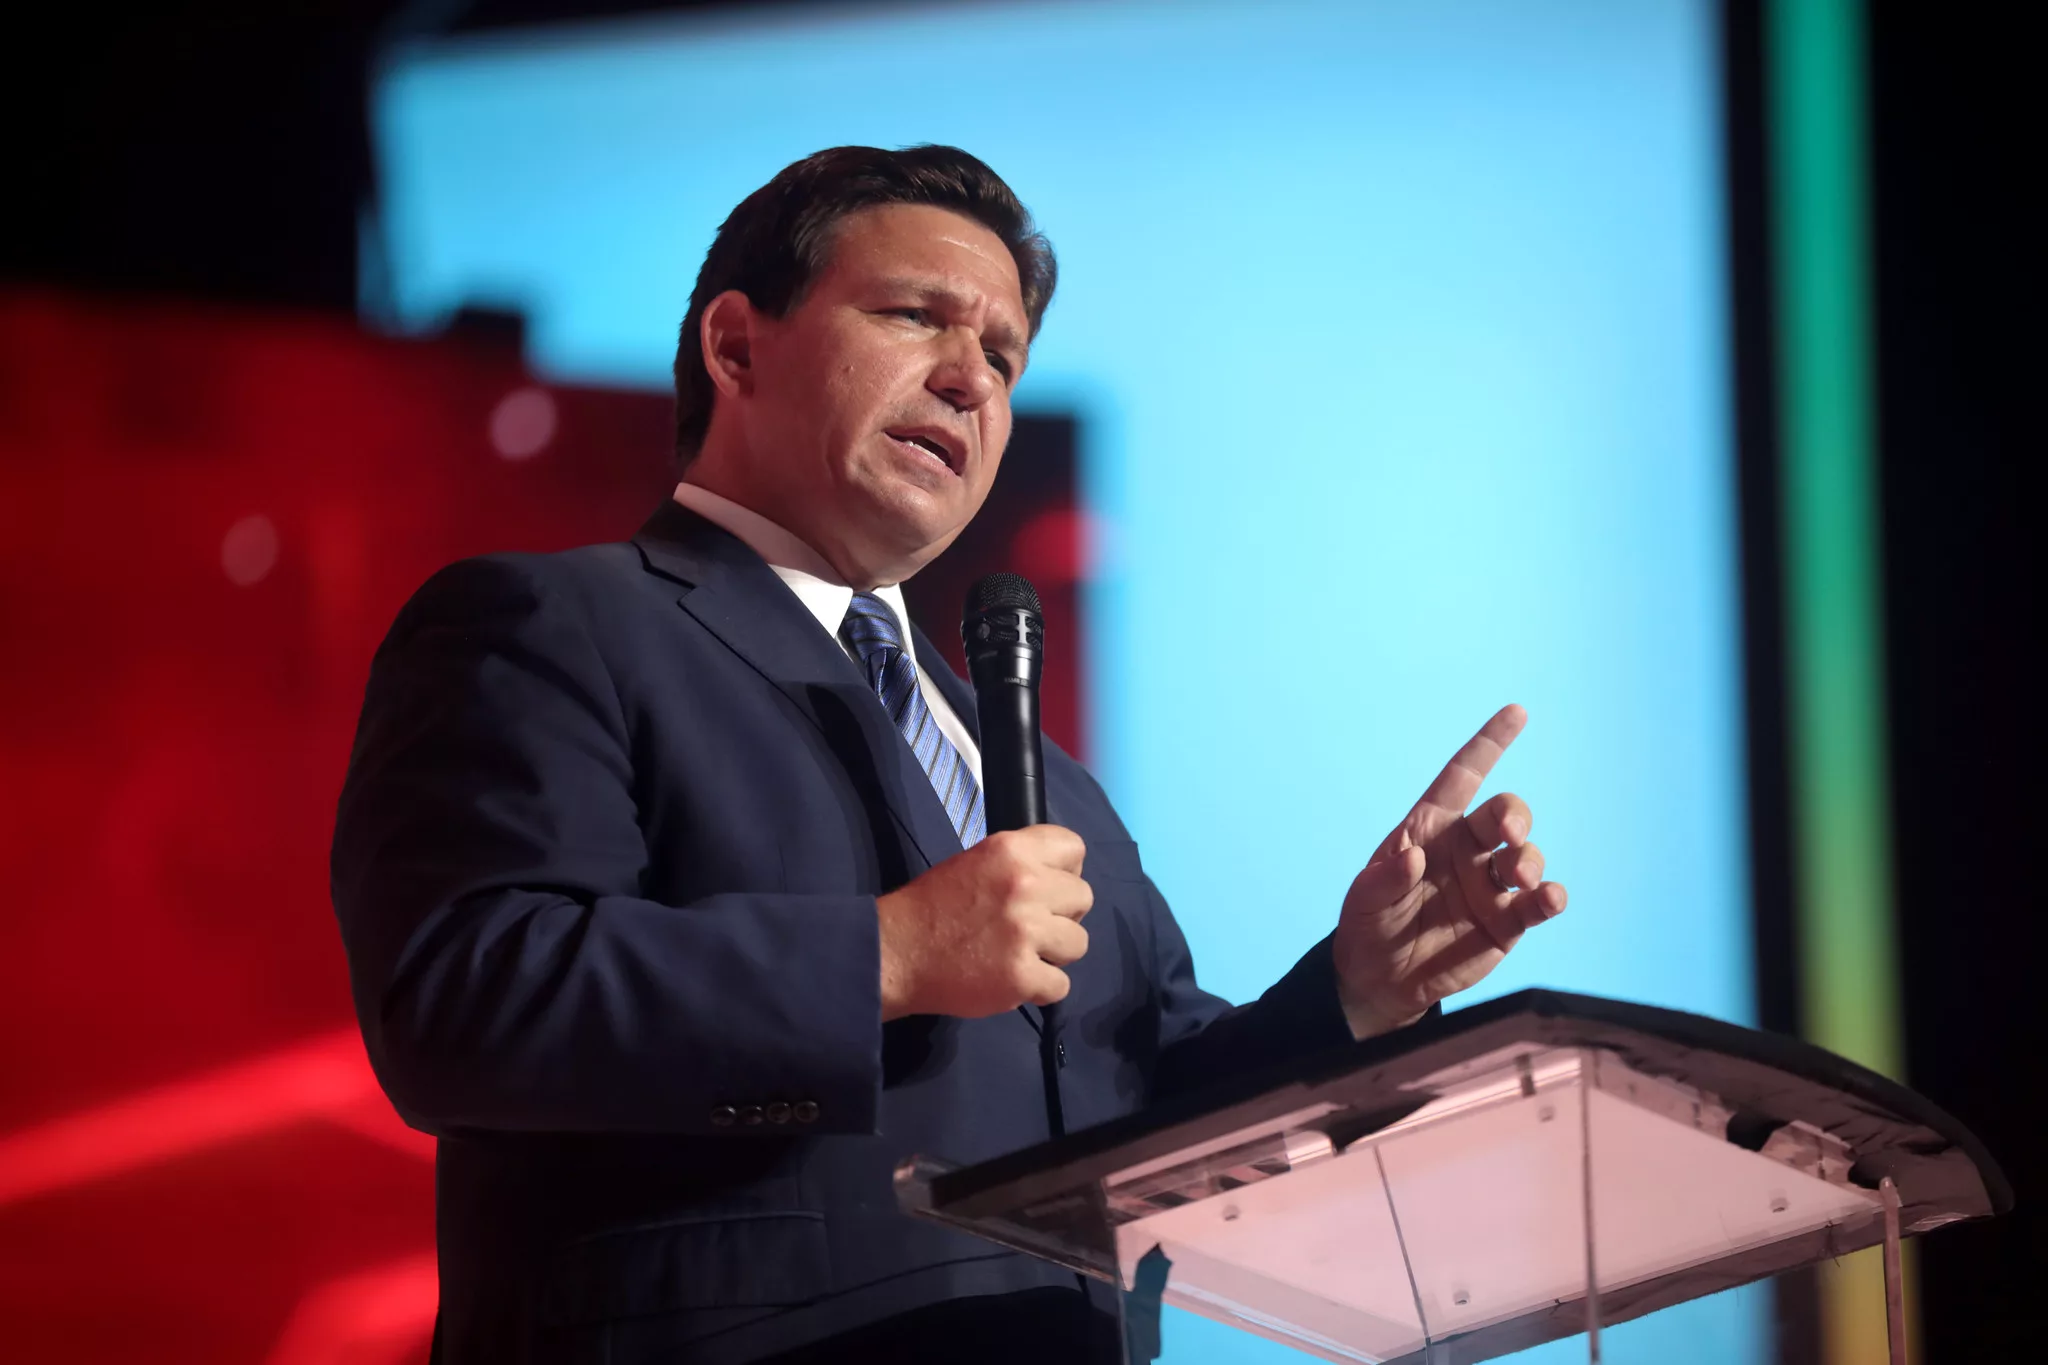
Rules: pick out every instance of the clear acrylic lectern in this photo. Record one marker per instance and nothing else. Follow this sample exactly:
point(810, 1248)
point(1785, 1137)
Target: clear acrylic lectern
point(1510, 1173)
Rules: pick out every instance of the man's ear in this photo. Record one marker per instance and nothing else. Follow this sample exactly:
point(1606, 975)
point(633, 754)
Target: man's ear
point(727, 331)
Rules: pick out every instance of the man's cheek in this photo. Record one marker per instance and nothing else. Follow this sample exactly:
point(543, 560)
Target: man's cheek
point(994, 440)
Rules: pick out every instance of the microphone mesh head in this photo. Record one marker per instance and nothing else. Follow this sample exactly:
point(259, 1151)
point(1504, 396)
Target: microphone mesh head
point(997, 591)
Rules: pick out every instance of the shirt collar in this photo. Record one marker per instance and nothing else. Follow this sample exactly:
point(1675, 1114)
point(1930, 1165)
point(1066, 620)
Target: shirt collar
point(802, 570)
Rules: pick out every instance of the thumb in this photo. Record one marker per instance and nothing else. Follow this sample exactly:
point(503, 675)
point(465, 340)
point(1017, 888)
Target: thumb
point(1386, 880)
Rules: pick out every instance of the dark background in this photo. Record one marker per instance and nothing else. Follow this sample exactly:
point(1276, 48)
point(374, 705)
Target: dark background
point(218, 152)
point(1959, 247)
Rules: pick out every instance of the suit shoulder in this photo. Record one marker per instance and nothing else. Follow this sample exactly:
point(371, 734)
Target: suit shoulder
point(518, 584)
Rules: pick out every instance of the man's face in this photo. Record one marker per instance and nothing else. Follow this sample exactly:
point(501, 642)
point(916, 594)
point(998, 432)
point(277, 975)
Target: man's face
point(881, 403)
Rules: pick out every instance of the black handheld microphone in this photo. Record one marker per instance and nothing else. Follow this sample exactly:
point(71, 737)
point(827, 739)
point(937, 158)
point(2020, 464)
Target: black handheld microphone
point(1004, 631)
point(1003, 628)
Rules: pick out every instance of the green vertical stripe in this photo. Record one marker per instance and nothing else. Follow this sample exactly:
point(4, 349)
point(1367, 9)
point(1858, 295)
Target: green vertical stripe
point(1840, 805)
point(1841, 808)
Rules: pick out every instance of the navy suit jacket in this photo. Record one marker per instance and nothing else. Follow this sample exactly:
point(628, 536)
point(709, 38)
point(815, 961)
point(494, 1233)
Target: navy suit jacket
point(605, 865)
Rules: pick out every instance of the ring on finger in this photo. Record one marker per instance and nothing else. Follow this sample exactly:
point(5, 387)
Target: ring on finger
point(1493, 871)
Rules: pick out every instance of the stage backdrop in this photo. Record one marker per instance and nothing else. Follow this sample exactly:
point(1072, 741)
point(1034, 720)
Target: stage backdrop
point(1395, 338)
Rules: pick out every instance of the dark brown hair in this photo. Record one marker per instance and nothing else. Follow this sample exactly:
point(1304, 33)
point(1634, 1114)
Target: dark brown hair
point(774, 244)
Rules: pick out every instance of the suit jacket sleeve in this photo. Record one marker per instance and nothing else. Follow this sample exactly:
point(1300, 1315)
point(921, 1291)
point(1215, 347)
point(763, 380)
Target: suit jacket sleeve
point(487, 867)
point(1203, 1038)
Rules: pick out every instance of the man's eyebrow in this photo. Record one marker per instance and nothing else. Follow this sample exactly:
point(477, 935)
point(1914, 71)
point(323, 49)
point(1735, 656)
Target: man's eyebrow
point(999, 333)
point(1002, 335)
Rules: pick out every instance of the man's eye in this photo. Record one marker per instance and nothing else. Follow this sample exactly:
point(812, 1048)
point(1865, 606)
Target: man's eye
point(918, 315)
point(999, 362)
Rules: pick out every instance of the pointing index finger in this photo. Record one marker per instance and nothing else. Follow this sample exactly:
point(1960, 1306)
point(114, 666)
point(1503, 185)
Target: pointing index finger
point(1459, 782)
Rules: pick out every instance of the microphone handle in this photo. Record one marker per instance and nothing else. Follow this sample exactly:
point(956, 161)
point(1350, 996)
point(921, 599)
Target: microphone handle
point(1005, 651)
point(1012, 756)
point(1003, 657)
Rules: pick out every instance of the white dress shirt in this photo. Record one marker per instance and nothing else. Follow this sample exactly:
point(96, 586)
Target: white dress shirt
point(804, 572)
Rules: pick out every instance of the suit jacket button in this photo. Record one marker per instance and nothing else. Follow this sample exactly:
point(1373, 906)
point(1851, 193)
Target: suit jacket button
point(750, 1115)
point(778, 1112)
point(722, 1116)
point(805, 1111)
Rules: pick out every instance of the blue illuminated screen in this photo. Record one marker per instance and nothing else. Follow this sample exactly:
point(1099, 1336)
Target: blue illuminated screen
point(1397, 334)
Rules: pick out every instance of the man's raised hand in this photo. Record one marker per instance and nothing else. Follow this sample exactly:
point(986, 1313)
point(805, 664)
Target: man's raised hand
point(988, 929)
point(1445, 896)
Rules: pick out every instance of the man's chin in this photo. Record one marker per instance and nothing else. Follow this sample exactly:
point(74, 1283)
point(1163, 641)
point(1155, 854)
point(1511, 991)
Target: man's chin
point(905, 534)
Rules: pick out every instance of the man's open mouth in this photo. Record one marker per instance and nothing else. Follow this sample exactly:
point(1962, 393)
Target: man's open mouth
point(929, 445)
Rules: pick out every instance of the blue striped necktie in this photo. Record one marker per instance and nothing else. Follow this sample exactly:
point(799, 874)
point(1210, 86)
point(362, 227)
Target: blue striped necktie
point(871, 631)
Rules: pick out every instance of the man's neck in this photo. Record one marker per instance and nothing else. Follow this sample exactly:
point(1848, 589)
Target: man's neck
point(739, 492)
point(780, 547)
point(721, 470)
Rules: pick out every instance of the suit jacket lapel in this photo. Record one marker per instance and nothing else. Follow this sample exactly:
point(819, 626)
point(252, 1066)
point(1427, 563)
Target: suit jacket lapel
point(738, 598)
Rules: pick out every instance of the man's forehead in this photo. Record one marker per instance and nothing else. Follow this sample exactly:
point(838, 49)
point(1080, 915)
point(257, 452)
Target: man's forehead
point(927, 247)
point(969, 236)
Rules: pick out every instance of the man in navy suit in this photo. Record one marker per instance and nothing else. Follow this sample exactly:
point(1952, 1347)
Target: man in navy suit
point(662, 871)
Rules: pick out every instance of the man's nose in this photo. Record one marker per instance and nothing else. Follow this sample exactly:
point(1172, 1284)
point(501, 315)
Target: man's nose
point(963, 376)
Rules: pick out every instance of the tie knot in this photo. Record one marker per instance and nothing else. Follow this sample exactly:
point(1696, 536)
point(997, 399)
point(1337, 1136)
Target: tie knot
point(871, 628)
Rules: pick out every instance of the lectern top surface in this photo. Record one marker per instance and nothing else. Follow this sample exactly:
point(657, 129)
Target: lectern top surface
point(1482, 1182)
point(1767, 1079)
